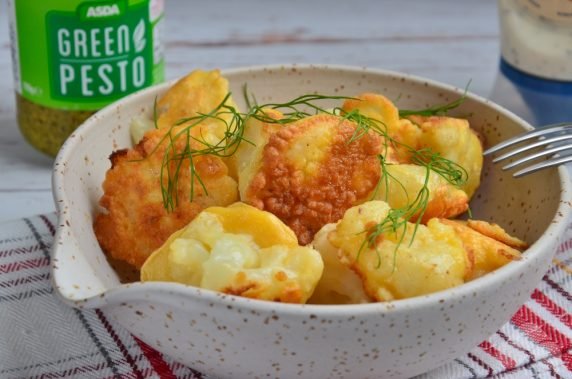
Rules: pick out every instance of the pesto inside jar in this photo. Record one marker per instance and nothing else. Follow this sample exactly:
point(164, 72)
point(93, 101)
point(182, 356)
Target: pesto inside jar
point(47, 128)
point(74, 57)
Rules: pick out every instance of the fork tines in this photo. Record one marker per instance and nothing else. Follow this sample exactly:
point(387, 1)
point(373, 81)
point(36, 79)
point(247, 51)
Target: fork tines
point(547, 142)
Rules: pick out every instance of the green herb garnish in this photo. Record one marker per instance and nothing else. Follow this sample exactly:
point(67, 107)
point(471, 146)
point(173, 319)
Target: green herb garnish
point(195, 146)
point(294, 110)
point(397, 219)
point(437, 110)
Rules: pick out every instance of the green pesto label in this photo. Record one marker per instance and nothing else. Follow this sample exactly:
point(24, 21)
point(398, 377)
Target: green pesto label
point(83, 55)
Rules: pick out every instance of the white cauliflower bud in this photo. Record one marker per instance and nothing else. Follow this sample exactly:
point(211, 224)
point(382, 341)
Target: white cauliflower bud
point(219, 252)
point(339, 283)
point(184, 255)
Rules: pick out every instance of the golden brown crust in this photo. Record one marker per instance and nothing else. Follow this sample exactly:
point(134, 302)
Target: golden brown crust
point(483, 253)
point(198, 92)
point(446, 201)
point(306, 201)
point(495, 232)
point(404, 134)
point(117, 155)
point(405, 181)
point(135, 221)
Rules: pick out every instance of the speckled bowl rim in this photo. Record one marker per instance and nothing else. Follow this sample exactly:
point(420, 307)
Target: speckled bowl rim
point(140, 290)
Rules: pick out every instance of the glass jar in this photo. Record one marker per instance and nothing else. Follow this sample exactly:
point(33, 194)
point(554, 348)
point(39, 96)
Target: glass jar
point(535, 76)
point(73, 57)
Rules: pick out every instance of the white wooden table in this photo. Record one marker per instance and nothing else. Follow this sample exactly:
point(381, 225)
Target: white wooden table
point(447, 40)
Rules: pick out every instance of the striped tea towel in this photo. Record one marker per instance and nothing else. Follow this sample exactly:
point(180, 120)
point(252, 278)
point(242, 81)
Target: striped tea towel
point(40, 337)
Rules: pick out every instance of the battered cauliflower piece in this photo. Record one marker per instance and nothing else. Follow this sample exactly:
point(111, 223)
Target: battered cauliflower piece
point(404, 181)
point(134, 221)
point(238, 250)
point(378, 107)
point(455, 140)
point(310, 171)
point(451, 137)
point(393, 268)
point(339, 283)
point(198, 92)
point(485, 245)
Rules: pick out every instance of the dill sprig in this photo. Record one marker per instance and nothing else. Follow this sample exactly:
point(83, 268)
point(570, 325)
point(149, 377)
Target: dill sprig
point(364, 124)
point(433, 111)
point(437, 110)
point(452, 172)
point(397, 219)
point(196, 145)
point(295, 109)
point(249, 99)
point(396, 222)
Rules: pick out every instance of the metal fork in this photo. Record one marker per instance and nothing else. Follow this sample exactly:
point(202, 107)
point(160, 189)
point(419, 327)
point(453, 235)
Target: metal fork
point(549, 142)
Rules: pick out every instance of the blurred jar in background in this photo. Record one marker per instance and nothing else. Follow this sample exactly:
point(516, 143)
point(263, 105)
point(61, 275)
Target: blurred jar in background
point(535, 76)
point(73, 57)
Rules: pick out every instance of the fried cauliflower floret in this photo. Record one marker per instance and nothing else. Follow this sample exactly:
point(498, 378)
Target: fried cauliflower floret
point(404, 181)
point(197, 93)
point(453, 139)
point(238, 250)
point(339, 283)
point(404, 133)
point(311, 171)
point(485, 245)
point(433, 260)
point(135, 221)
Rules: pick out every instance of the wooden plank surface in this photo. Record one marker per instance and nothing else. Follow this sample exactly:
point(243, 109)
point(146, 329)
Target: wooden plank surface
point(447, 40)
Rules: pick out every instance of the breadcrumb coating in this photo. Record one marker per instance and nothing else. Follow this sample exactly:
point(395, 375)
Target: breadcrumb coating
point(135, 222)
point(312, 172)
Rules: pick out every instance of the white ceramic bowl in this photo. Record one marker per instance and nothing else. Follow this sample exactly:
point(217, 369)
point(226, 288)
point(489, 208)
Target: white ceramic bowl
point(228, 336)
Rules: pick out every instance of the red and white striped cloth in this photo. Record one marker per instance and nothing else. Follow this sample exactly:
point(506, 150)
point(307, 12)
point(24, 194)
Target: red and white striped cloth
point(40, 337)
